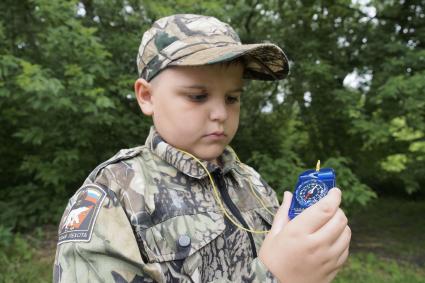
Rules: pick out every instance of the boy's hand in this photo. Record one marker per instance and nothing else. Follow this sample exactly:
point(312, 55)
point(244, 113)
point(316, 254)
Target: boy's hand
point(310, 248)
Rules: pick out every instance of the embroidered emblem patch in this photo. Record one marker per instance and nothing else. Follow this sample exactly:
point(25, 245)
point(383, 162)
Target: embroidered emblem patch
point(78, 224)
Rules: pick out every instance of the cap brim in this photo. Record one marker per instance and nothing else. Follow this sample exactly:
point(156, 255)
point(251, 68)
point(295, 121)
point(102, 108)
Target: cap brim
point(262, 61)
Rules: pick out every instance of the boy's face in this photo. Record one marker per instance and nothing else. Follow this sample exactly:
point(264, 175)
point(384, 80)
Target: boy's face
point(195, 109)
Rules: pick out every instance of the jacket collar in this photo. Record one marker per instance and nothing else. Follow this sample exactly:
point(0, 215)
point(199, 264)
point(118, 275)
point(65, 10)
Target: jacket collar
point(184, 162)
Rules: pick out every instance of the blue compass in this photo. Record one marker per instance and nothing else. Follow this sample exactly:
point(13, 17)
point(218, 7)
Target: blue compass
point(312, 185)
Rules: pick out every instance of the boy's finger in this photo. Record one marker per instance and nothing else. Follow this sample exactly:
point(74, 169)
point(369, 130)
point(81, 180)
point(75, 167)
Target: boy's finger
point(340, 260)
point(343, 257)
point(281, 218)
point(330, 277)
point(332, 229)
point(319, 213)
point(342, 243)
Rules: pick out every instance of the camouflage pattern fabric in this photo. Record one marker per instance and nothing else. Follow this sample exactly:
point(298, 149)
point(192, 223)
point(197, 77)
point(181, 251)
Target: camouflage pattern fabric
point(191, 40)
point(158, 221)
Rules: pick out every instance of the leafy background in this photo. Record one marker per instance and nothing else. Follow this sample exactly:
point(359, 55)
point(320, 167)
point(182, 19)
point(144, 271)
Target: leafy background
point(354, 98)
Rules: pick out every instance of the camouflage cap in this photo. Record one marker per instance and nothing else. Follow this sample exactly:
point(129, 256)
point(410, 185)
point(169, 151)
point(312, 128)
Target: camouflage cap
point(194, 40)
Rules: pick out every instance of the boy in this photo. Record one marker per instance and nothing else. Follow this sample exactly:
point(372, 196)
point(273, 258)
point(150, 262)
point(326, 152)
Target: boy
point(183, 208)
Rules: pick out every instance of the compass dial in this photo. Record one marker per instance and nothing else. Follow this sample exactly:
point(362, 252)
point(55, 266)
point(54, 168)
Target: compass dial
point(310, 192)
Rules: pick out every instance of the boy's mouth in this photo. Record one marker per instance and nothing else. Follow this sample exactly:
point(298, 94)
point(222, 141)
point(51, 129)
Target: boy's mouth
point(216, 135)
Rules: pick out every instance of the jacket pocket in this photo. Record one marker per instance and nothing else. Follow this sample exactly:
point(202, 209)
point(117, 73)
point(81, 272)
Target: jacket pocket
point(181, 236)
point(265, 215)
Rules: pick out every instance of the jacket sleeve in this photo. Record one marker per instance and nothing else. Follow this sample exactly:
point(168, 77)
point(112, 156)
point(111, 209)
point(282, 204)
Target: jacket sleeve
point(97, 244)
point(259, 273)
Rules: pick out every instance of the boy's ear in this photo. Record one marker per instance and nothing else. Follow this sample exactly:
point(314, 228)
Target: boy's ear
point(143, 91)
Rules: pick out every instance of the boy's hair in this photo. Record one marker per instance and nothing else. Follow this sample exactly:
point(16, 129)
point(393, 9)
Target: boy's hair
point(195, 40)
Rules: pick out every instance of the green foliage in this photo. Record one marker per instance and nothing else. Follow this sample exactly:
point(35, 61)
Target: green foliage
point(355, 193)
point(6, 236)
point(67, 70)
point(56, 109)
point(277, 160)
point(392, 119)
point(18, 262)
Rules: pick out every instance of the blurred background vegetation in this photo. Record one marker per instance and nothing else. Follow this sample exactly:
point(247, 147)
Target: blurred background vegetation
point(354, 99)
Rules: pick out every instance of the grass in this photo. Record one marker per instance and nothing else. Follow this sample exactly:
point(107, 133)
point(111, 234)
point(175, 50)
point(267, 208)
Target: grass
point(391, 228)
point(387, 246)
point(388, 243)
point(369, 268)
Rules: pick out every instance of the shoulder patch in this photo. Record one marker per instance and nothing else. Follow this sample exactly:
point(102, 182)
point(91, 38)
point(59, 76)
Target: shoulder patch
point(78, 224)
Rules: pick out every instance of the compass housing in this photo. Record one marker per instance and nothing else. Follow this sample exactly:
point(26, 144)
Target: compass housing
point(312, 185)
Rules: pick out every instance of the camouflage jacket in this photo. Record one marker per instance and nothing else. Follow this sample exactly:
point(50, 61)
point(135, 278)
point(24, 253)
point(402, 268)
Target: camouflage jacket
point(149, 214)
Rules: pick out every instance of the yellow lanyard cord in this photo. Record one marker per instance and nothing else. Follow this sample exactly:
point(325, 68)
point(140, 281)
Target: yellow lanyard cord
point(219, 201)
point(250, 186)
point(259, 199)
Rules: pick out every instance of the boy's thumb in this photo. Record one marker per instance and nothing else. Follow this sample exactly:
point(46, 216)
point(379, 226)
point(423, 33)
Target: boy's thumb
point(281, 218)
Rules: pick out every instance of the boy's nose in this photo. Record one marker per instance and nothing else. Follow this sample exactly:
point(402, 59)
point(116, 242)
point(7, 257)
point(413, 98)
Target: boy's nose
point(218, 111)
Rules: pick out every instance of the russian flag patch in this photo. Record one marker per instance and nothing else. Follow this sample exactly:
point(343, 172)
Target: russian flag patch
point(78, 224)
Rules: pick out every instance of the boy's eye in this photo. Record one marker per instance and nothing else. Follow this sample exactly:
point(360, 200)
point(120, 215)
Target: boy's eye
point(232, 99)
point(197, 97)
